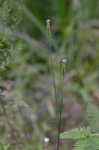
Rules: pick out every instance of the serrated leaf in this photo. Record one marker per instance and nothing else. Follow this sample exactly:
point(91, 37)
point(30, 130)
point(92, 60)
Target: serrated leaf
point(77, 133)
point(89, 143)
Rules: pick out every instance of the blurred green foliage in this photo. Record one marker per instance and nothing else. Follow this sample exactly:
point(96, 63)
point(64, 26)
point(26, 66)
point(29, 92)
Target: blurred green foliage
point(27, 109)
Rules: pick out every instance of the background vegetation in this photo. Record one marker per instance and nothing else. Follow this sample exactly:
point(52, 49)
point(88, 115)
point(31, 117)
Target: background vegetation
point(28, 110)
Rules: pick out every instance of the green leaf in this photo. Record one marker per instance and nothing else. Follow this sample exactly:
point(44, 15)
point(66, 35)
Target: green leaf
point(89, 143)
point(77, 133)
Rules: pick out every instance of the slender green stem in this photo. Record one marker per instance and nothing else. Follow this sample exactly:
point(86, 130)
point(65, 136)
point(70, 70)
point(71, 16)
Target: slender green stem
point(60, 106)
point(58, 95)
point(59, 113)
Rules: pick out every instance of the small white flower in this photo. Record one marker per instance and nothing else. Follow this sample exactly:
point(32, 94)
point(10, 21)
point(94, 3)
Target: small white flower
point(63, 61)
point(48, 21)
point(46, 139)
